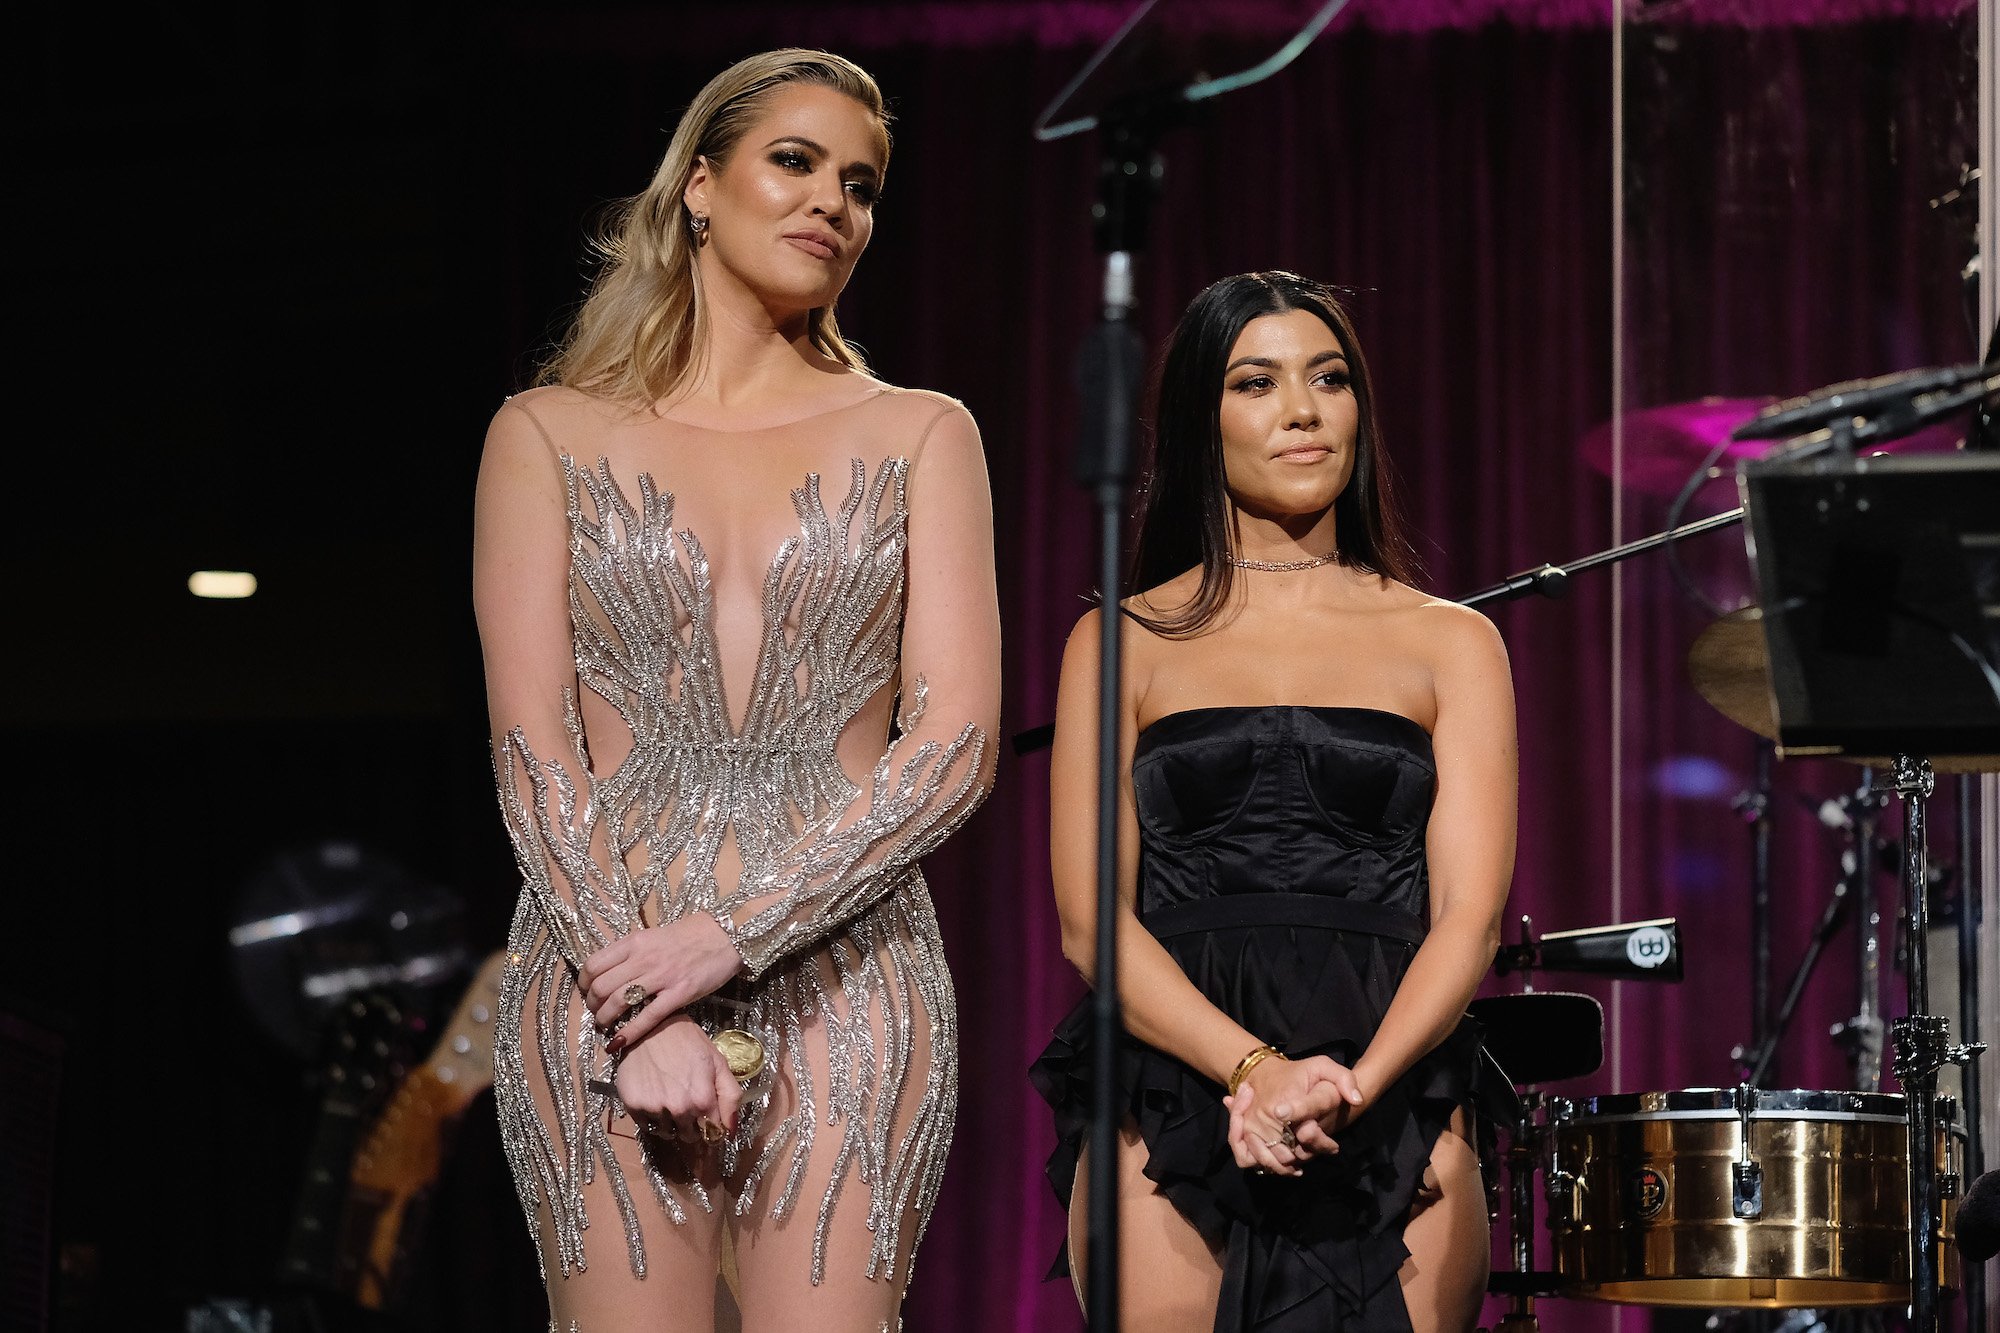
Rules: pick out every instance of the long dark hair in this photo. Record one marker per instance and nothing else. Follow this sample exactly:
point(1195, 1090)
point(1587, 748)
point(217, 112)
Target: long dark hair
point(1184, 513)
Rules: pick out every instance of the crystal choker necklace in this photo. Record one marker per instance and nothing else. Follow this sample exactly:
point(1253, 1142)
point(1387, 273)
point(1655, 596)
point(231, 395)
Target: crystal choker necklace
point(1279, 566)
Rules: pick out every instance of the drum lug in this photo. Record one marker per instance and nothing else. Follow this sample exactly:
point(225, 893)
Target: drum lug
point(1558, 1183)
point(1948, 1167)
point(1747, 1196)
point(1748, 1199)
point(1561, 1190)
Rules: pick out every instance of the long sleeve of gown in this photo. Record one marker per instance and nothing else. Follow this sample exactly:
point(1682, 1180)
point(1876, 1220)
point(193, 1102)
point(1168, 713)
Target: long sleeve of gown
point(572, 858)
point(849, 856)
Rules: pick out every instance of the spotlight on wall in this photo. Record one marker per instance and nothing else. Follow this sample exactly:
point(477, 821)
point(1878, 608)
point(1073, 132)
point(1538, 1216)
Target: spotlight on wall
point(221, 583)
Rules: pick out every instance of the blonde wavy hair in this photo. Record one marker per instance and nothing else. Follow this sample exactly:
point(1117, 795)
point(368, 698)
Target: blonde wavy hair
point(639, 335)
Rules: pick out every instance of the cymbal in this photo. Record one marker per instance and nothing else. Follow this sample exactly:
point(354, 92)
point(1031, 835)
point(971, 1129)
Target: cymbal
point(1664, 444)
point(1728, 667)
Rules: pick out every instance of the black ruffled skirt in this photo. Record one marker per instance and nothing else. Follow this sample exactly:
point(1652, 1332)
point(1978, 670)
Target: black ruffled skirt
point(1311, 975)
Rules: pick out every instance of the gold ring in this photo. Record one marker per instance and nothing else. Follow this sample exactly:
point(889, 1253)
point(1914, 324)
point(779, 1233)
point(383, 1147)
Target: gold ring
point(635, 995)
point(710, 1131)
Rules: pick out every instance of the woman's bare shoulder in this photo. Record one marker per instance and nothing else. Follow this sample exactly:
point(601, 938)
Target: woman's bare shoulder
point(1435, 629)
point(1166, 598)
point(920, 413)
point(560, 411)
point(1162, 603)
point(916, 399)
point(1454, 637)
point(1153, 604)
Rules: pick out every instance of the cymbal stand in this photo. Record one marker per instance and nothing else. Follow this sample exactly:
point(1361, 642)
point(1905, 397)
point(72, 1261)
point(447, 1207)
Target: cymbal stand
point(1755, 807)
point(1758, 1062)
point(1861, 1036)
point(1923, 1047)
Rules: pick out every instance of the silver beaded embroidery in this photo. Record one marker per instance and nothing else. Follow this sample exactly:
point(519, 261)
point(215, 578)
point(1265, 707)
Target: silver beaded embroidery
point(830, 886)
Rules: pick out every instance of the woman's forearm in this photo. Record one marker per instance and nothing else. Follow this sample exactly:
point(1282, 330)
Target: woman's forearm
point(1430, 1000)
point(1162, 1007)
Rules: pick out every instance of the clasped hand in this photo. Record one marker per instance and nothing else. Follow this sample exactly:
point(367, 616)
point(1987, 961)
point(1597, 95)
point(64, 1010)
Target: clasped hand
point(674, 964)
point(1287, 1112)
point(679, 1078)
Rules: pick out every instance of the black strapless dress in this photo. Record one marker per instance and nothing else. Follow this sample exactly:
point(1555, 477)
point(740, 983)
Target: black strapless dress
point(1282, 865)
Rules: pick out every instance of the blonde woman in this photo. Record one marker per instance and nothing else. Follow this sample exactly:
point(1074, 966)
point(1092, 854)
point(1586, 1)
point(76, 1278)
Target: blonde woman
point(718, 567)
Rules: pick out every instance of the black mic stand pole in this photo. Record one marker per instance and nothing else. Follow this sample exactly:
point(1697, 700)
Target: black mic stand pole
point(1914, 399)
point(1553, 580)
point(1108, 374)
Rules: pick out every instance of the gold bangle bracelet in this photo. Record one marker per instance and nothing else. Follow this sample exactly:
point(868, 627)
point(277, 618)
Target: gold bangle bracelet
point(1249, 1062)
point(741, 1051)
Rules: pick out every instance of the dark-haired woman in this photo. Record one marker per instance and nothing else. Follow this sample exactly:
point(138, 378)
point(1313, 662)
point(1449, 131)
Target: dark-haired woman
point(1318, 833)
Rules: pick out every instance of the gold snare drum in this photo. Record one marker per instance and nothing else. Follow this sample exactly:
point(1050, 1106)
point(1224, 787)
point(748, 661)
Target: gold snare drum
point(1654, 1200)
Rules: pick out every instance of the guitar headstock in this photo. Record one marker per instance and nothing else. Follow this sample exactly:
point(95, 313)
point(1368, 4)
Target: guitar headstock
point(405, 1148)
point(364, 1051)
point(367, 1047)
point(464, 1053)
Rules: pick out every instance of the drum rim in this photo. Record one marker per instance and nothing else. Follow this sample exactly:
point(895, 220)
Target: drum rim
point(1770, 1102)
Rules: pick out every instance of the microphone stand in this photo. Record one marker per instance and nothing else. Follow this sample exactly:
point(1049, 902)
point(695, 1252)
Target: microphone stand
point(1553, 580)
point(1109, 368)
point(1160, 81)
point(1847, 416)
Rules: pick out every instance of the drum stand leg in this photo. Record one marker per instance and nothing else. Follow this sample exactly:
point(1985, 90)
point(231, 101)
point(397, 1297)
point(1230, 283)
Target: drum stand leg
point(1861, 1036)
point(1922, 1048)
point(1520, 1316)
point(1757, 1063)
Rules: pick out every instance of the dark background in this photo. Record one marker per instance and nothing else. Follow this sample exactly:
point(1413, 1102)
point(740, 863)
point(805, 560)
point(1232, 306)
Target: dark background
point(278, 272)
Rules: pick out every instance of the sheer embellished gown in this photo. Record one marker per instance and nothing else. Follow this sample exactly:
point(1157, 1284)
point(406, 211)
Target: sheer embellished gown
point(1282, 865)
point(750, 674)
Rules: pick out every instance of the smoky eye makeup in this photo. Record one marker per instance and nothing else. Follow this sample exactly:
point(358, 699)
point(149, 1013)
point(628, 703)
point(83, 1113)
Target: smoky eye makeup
point(792, 150)
point(863, 183)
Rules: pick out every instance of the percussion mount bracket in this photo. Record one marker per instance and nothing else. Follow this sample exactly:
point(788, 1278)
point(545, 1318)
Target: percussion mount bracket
point(1922, 1050)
